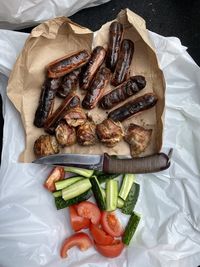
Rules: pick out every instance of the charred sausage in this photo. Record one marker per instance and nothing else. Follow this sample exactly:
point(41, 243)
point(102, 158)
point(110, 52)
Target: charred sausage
point(123, 63)
point(115, 38)
point(96, 89)
point(127, 89)
point(90, 69)
point(66, 64)
point(133, 107)
point(46, 101)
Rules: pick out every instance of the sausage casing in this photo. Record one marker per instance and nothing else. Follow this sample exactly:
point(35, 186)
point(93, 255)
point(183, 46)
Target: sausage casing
point(96, 89)
point(115, 38)
point(125, 90)
point(123, 63)
point(133, 107)
point(90, 69)
point(66, 64)
point(46, 101)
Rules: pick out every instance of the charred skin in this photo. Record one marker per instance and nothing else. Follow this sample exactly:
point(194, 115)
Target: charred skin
point(75, 116)
point(125, 90)
point(96, 89)
point(109, 132)
point(86, 133)
point(69, 83)
point(46, 101)
point(70, 101)
point(45, 145)
point(66, 64)
point(123, 63)
point(133, 107)
point(91, 68)
point(115, 38)
point(65, 134)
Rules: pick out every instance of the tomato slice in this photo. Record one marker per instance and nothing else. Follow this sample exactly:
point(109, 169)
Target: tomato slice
point(111, 251)
point(77, 222)
point(89, 210)
point(99, 236)
point(111, 224)
point(81, 240)
point(56, 174)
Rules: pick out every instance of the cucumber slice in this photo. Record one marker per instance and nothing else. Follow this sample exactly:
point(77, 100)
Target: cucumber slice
point(130, 228)
point(76, 189)
point(111, 195)
point(80, 171)
point(120, 202)
point(57, 194)
point(129, 203)
point(98, 194)
point(127, 182)
point(61, 203)
point(105, 177)
point(65, 183)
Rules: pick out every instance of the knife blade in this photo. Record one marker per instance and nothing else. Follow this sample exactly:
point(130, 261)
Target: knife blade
point(110, 164)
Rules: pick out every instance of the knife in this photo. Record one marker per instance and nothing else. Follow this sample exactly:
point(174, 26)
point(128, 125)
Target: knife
point(110, 164)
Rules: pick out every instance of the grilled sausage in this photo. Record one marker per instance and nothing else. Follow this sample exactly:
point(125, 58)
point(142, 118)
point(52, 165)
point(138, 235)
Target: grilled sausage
point(90, 69)
point(133, 107)
point(96, 89)
point(115, 38)
point(46, 101)
point(66, 64)
point(127, 89)
point(68, 83)
point(123, 63)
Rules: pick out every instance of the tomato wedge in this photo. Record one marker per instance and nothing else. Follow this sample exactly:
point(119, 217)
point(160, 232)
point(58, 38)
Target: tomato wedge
point(89, 210)
point(99, 236)
point(56, 174)
point(111, 251)
point(81, 240)
point(111, 224)
point(77, 222)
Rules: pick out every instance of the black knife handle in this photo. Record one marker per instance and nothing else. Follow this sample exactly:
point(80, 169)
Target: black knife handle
point(149, 164)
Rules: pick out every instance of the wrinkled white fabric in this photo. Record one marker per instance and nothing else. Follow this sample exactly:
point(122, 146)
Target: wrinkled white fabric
point(32, 230)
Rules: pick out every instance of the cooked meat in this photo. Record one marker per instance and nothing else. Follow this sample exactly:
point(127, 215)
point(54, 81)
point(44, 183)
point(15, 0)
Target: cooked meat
point(86, 133)
point(110, 132)
point(65, 134)
point(138, 138)
point(75, 117)
point(46, 145)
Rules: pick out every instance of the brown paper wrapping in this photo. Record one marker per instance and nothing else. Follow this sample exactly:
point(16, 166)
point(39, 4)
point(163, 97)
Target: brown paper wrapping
point(60, 36)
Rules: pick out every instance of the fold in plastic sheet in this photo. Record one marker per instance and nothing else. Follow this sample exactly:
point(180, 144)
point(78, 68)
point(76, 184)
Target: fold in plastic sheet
point(32, 230)
point(20, 14)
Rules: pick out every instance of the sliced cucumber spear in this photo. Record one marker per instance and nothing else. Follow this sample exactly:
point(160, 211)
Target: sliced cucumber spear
point(76, 189)
point(129, 203)
point(120, 202)
point(68, 181)
point(111, 195)
point(127, 182)
point(98, 193)
point(83, 172)
point(57, 194)
point(130, 228)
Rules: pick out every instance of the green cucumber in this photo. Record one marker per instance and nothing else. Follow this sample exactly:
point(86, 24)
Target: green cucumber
point(76, 189)
point(105, 177)
point(111, 195)
point(98, 194)
point(120, 202)
point(83, 172)
point(61, 203)
point(129, 203)
point(68, 181)
point(127, 182)
point(130, 228)
point(57, 193)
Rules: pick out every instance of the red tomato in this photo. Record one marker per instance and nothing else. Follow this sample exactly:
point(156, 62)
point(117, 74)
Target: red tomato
point(99, 236)
point(56, 174)
point(77, 222)
point(111, 224)
point(81, 240)
point(89, 210)
point(111, 251)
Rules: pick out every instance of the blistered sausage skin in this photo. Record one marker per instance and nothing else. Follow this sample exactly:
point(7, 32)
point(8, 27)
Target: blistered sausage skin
point(96, 89)
point(133, 107)
point(90, 69)
point(115, 38)
point(125, 90)
point(66, 64)
point(46, 101)
point(123, 63)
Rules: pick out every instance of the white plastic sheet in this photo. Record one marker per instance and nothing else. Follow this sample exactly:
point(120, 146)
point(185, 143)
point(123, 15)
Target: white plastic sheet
point(32, 230)
point(20, 14)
